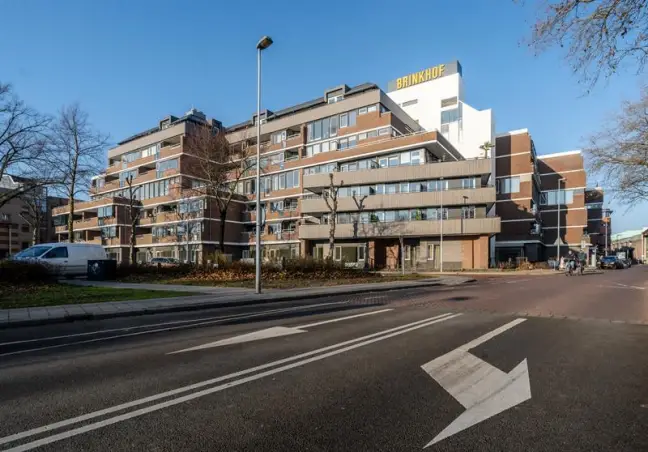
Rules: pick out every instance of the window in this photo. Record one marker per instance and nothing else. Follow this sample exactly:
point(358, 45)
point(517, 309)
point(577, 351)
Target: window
point(405, 158)
point(344, 143)
point(104, 212)
point(344, 120)
point(430, 252)
point(390, 216)
point(362, 111)
point(448, 116)
point(394, 160)
point(6, 217)
point(372, 108)
point(362, 136)
point(594, 205)
point(550, 198)
point(384, 131)
point(408, 253)
point(404, 187)
point(334, 125)
point(59, 252)
point(445, 129)
point(409, 102)
point(403, 215)
point(24, 228)
point(352, 118)
point(416, 157)
point(166, 165)
point(108, 232)
point(361, 252)
point(508, 185)
point(372, 134)
point(279, 137)
point(468, 183)
point(468, 212)
point(390, 189)
point(353, 141)
point(325, 146)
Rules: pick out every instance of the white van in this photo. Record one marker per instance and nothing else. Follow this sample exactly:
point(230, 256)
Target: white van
point(69, 259)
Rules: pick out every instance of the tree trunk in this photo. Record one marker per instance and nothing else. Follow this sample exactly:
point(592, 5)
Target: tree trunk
point(36, 233)
point(133, 252)
point(221, 236)
point(331, 236)
point(71, 216)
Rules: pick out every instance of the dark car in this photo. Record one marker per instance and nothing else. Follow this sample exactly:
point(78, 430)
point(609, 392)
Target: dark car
point(611, 262)
point(165, 261)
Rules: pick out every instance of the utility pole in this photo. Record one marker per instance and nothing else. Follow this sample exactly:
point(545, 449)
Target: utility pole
point(558, 230)
point(441, 240)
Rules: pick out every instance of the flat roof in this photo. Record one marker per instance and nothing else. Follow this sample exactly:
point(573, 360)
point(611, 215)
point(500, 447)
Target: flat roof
point(303, 106)
point(559, 154)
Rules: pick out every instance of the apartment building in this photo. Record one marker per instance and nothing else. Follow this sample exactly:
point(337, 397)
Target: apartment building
point(541, 198)
point(395, 181)
point(16, 219)
point(172, 222)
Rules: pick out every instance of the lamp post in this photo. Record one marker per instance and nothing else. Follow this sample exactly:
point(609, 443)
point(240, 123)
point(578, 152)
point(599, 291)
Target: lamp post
point(441, 239)
point(463, 213)
point(558, 235)
point(263, 44)
point(606, 220)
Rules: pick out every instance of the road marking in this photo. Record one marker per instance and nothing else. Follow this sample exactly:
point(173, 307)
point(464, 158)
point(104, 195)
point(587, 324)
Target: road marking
point(375, 297)
point(336, 349)
point(517, 281)
point(197, 322)
point(275, 331)
point(482, 389)
point(622, 286)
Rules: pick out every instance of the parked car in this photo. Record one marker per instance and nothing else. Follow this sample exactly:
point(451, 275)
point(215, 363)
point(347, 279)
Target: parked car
point(165, 261)
point(611, 262)
point(627, 263)
point(68, 259)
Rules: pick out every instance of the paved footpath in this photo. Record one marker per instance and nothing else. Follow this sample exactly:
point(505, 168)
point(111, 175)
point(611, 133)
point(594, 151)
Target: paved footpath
point(213, 297)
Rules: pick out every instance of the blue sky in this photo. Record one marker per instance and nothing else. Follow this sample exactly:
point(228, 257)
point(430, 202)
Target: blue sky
point(129, 63)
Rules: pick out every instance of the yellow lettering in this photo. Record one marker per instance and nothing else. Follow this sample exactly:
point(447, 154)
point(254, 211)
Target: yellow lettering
point(441, 69)
point(399, 82)
point(421, 76)
point(428, 74)
point(415, 78)
point(435, 72)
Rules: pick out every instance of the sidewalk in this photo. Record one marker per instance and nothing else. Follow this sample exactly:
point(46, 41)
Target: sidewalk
point(214, 297)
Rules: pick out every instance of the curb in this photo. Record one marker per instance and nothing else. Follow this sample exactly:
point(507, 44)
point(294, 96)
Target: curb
point(216, 304)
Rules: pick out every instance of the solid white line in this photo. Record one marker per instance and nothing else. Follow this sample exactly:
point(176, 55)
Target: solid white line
point(199, 322)
point(324, 322)
point(100, 424)
point(517, 281)
point(488, 336)
point(123, 406)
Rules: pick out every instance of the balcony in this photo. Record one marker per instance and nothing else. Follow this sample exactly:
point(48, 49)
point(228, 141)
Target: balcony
point(88, 205)
point(455, 197)
point(462, 168)
point(425, 228)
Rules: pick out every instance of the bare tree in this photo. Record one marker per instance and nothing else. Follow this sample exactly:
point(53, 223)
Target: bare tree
point(619, 153)
point(219, 166)
point(599, 35)
point(184, 212)
point(77, 150)
point(134, 212)
point(331, 199)
point(359, 202)
point(22, 145)
point(35, 204)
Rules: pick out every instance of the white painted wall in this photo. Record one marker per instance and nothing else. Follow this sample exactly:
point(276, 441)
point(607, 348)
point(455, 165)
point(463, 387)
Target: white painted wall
point(476, 126)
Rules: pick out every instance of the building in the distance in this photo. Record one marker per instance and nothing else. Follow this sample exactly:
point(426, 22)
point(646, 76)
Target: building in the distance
point(17, 217)
point(632, 242)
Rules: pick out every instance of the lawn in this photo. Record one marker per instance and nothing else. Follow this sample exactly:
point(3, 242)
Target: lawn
point(294, 283)
point(59, 294)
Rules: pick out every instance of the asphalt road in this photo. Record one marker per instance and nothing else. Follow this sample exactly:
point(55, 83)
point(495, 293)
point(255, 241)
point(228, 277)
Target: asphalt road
point(549, 363)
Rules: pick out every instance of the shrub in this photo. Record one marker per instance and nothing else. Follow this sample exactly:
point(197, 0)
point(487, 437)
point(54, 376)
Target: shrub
point(15, 273)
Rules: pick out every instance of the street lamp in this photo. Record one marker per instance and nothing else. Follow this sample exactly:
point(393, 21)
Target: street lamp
point(606, 220)
point(263, 44)
point(558, 235)
point(441, 239)
point(463, 213)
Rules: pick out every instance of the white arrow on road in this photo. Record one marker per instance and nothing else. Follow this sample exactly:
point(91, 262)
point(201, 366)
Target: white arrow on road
point(482, 389)
point(275, 331)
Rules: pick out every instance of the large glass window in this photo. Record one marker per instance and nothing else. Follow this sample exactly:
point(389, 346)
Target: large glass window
point(509, 185)
point(550, 198)
point(448, 116)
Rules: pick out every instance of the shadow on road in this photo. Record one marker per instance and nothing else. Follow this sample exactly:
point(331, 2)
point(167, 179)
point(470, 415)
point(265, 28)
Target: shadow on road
point(459, 298)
